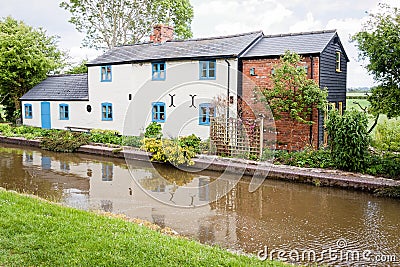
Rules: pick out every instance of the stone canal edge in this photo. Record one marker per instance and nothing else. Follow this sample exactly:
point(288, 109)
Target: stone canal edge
point(318, 177)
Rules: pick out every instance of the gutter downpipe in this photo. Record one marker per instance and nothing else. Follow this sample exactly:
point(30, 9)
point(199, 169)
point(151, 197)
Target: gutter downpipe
point(311, 115)
point(228, 90)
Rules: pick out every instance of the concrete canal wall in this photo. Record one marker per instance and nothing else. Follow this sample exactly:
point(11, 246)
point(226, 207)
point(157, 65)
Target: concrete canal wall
point(318, 177)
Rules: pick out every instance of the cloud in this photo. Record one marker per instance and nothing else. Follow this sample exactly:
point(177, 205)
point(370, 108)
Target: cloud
point(308, 24)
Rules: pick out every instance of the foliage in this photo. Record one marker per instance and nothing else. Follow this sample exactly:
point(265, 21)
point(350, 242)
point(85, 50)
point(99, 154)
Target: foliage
point(379, 43)
point(387, 136)
point(64, 141)
point(121, 22)
point(27, 55)
point(310, 158)
point(167, 150)
point(292, 91)
point(27, 132)
point(3, 113)
point(153, 130)
point(133, 141)
point(191, 141)
point(105, 137)
point(79, 69)
point(348, 139)
point(386, 165)
point(35, 232)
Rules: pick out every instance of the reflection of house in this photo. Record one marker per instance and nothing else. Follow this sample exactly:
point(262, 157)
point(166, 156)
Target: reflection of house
point(176, 83)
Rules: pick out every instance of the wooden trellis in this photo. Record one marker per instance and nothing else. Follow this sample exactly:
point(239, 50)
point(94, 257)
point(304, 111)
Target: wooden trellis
point(236, 137)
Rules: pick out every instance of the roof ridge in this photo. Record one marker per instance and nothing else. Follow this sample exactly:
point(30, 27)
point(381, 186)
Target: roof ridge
point(300, 33)
point(198, 39)
point(66, 75)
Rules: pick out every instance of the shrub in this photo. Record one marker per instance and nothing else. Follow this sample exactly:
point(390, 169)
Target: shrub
point(153, 130)
point(348, 139)
point(310, 158)
point(64, 141)
point(191, 141)
point(133, 141)
point(387, 136)
point(387, 165)
point(168, 150)
point(105, 137)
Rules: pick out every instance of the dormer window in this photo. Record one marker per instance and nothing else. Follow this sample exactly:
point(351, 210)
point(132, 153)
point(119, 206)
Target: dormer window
point(105, 73)
point(338, 54)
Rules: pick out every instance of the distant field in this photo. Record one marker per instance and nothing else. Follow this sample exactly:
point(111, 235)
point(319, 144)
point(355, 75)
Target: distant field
point(351, 103)
point(355, 94)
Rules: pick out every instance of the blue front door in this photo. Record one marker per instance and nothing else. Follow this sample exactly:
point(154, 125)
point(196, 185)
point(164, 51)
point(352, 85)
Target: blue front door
point(46, 117)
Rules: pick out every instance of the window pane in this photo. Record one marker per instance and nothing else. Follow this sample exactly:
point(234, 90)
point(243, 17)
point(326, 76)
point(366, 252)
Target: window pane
point(211, 74)
point(162, 66)
point(162, 75)
point(212, 65)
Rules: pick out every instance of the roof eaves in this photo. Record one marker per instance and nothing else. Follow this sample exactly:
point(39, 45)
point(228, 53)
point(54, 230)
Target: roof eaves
point(164, 59)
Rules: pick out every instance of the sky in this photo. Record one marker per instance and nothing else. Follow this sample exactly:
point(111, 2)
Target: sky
point(222, 17)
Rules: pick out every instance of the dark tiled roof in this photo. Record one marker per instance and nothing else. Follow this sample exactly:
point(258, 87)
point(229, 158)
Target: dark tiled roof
point(232, 45)
point(301, 43)
point(60, 87)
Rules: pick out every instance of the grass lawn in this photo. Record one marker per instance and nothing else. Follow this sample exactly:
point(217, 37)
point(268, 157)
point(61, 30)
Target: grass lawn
point(34, 232)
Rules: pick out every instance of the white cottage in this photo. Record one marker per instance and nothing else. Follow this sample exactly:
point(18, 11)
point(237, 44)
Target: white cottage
point(171, 82)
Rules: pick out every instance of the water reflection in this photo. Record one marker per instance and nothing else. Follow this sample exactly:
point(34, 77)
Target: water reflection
point(278, 215)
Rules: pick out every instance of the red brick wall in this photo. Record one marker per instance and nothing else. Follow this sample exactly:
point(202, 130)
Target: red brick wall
point(290, 135)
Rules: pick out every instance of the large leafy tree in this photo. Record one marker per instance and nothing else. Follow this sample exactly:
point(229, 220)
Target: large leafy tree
point(379, 44)
point(27, 55)
point(291, 92)
point(109, 23)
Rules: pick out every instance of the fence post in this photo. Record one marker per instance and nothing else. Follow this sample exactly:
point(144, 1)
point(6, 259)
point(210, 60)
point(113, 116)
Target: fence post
point(261, 134)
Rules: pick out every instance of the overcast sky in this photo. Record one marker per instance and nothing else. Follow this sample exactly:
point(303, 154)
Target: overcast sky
point(221, 17)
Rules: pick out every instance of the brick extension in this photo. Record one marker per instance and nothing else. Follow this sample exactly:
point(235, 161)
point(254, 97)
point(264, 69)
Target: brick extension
point(291, 135)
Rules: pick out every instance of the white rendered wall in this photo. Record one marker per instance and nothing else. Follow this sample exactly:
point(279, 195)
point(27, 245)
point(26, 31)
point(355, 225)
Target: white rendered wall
point(130, 117)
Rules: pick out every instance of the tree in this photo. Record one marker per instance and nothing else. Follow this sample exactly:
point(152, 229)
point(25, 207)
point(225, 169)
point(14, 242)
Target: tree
point(292, 92)
point(379, 43)
point(78, 69)
point(26, 57)
point(120, 22)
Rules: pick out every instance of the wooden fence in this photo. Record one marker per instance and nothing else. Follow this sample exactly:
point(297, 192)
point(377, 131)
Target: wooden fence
point(236, 137)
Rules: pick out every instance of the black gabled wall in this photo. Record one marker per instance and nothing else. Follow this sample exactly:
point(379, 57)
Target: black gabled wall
point(336, 82)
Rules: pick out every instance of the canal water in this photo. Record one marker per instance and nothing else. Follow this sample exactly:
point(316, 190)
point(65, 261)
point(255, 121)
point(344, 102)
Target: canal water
point(297, 222)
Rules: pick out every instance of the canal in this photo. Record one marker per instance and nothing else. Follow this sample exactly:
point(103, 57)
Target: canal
point(341, 227)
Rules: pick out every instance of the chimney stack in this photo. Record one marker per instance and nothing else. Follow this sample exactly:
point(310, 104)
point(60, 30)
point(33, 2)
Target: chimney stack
point(161, 34)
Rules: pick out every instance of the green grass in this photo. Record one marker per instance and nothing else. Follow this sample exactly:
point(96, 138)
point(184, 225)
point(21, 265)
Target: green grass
point(34, 232)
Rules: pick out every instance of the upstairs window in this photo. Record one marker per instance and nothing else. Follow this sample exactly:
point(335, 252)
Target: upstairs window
point(158, 112)
point(338, 69)
point(106, 112)
point(206, 110)
point(64, 112)
point(158, 71)
point(28, 111)
point(208, 70)
point(106, 75)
